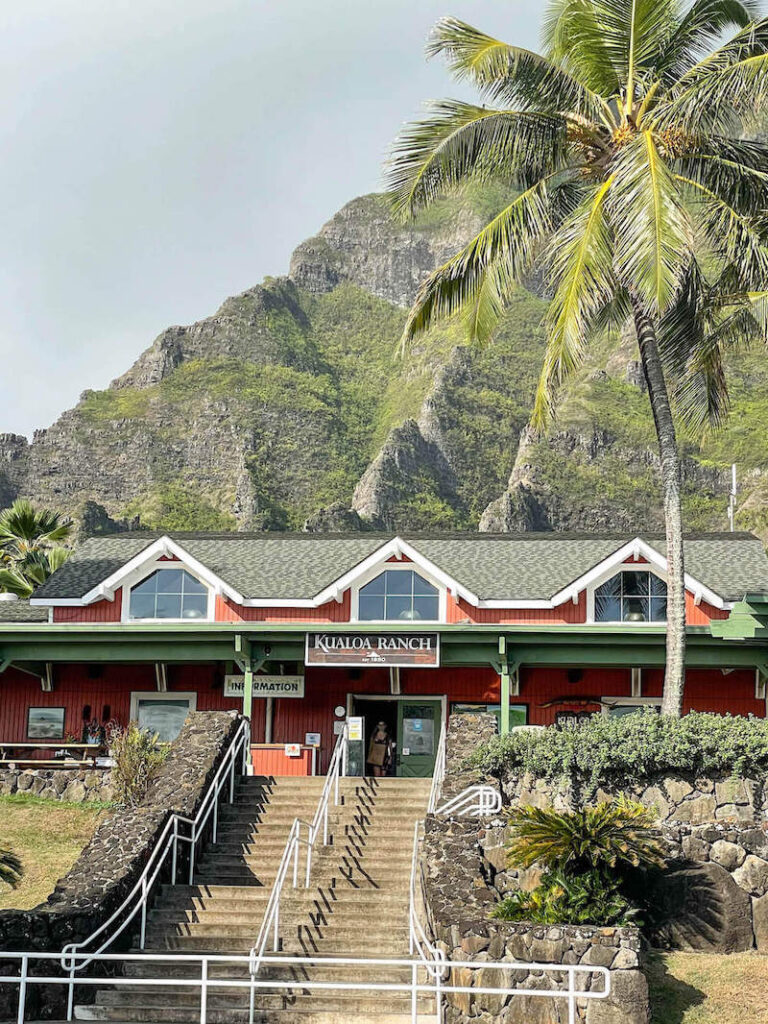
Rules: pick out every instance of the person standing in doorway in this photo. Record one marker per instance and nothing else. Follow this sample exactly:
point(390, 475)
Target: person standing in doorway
point(380, 751)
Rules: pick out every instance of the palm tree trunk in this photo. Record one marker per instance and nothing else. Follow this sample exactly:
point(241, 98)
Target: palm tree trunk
point(671, 478)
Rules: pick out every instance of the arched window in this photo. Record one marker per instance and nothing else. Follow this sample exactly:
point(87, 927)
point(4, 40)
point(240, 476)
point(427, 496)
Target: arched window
point(398, 594)
point(631, 597)
point(169, 594)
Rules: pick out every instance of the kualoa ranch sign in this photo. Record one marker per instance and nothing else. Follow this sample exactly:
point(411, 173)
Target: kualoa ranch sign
point(354, 650)
point(265, 686)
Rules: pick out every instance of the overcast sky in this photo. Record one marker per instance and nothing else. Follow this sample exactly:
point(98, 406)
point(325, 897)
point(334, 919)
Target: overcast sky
point(160, 155)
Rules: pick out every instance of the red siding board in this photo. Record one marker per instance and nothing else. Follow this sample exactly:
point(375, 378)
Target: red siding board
point(99, 611)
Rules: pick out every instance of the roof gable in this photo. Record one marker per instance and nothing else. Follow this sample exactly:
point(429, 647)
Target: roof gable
point(305, 570)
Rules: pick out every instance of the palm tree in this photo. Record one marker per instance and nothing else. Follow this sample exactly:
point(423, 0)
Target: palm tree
point(11, 868)
point(30, 548)
point(630, 187)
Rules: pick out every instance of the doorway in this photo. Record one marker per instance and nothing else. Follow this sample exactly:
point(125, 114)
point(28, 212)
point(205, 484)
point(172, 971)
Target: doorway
point(414, 725)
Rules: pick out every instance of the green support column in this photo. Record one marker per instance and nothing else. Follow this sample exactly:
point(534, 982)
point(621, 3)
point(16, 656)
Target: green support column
point(248, 692)
point(504, 713)
point(504, 700)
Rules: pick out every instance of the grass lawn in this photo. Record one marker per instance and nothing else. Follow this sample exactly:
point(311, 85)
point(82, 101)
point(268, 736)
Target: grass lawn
point(47, 836)
point(701, 988)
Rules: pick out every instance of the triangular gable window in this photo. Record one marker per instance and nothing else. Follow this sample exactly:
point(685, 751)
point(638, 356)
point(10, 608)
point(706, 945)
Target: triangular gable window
point(170, 593)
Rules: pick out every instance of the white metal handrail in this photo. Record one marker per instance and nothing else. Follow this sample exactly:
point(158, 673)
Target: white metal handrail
point(270, 924)
point(432, 958)
point(370, 969)
point(73, 956)
point(473, 802)
point(439, 772)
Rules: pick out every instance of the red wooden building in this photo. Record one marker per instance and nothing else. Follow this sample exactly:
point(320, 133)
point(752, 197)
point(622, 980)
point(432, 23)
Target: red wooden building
point(304, 630)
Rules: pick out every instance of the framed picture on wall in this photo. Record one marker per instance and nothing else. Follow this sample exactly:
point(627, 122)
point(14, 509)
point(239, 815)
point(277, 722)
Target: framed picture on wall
point(45, 723)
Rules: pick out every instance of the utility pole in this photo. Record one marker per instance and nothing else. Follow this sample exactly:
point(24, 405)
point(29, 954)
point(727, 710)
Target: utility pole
point(732, 499)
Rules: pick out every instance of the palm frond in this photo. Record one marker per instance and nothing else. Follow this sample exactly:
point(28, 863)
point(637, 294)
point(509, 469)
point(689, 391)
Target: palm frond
point(505, 248)
point(692, 354)
point(511, 74)
point(723, 88)
point(702, 26)
point(650, 222)
point(582, 271)
point(737, 238)
point(608, 44)
point(459, 141)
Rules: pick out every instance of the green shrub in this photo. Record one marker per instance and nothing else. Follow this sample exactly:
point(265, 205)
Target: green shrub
point(138, 755)
point(562, 898)
point(609, 837)
point(622, 751)
point(586, 855)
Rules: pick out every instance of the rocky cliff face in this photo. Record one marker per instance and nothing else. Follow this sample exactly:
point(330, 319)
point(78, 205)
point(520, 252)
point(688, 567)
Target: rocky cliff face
point(290, 408)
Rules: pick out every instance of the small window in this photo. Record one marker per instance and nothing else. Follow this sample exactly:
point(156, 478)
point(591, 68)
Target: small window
point(162, 714)
point(518, 713)
point(398, 594)
point(631, 597)
point(169, 594)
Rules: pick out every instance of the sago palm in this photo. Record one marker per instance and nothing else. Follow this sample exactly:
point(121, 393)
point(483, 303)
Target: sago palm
point(604, 838)
point(30, 546)
point(631, 189)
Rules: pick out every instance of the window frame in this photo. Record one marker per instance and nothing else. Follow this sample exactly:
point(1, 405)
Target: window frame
point(154, 695)
point(607, 704)
point(608, 575)
point(144, 573)
point(382, 567)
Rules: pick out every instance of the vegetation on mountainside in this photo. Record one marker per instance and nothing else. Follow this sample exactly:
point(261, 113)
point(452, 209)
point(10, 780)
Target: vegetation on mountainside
point(638, 200)
point(31, 546)
point(47, 836)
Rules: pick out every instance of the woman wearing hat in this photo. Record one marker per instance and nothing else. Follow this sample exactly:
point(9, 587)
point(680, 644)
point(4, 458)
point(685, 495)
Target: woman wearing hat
point(380, 751)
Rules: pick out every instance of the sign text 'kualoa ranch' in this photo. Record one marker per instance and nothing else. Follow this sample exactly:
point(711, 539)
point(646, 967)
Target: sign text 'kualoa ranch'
point(352, 649)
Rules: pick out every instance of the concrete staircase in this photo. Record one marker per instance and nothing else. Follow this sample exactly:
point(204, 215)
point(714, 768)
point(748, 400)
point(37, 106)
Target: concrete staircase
point(357, 905)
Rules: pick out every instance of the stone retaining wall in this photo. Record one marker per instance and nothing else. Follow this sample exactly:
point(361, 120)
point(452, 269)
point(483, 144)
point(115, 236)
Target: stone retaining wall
point(77, 785)
point(677, 798)
point(714, 894)
point(459, 893)
point(111, 863)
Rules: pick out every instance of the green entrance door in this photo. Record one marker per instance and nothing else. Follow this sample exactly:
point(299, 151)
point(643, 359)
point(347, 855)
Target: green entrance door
point(418, 732)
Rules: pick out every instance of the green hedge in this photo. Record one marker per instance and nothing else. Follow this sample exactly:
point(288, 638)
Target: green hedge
point(606, 751)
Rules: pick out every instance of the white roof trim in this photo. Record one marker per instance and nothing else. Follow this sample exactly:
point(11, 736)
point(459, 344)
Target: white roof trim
point(394, 548)
point(636, 548)
point(163, 546)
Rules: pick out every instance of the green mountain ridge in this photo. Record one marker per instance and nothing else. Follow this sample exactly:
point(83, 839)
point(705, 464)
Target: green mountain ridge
point(290, 407)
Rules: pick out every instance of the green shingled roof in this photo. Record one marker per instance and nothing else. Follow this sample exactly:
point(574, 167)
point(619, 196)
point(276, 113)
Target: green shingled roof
point(513, 567)
point(21, 611)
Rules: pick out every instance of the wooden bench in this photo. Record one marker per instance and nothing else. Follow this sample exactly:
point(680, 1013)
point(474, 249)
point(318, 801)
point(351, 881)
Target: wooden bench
point(14, 754)
point(59, 762)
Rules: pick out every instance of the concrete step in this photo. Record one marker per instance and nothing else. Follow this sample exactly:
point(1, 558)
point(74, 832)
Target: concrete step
point(181, 1015)
point(173, 967)
point(348, 911)
point(275, 999)
point(333, 899)
point(355, 929)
